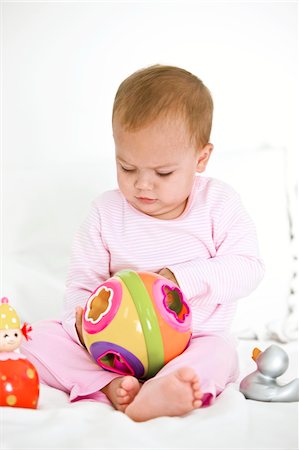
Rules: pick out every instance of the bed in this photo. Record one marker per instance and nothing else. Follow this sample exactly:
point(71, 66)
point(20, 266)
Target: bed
point(231, 423)
point(36, 253)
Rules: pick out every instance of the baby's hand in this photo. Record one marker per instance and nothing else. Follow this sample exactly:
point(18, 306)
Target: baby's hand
point(166, 273)
point(79, 314)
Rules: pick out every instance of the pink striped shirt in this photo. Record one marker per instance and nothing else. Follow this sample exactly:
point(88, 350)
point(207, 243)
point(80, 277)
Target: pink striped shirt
point(211, 249)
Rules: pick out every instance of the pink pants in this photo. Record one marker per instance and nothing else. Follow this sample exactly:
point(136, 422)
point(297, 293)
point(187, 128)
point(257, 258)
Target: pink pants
point(65, 365)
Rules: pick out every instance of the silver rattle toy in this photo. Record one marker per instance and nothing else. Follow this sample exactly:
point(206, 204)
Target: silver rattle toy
point(262, 385)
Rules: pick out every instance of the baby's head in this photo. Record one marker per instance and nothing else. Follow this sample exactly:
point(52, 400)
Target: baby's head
point(162, 118)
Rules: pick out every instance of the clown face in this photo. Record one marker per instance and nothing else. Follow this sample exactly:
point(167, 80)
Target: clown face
point(10, 339)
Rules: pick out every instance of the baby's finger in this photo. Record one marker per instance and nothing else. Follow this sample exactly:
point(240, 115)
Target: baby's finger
point(79, 314)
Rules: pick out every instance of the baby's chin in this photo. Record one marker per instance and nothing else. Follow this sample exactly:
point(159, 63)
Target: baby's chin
point(150, 208)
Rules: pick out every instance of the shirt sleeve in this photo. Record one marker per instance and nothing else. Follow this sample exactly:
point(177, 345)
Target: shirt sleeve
point(89, 267)
point(235, 269)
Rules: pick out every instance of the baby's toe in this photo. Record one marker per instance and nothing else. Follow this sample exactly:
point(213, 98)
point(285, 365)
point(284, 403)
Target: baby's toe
point(121, 392)
point(197, 395)
point(124, 400)
point(196, 385)
point(197, 403)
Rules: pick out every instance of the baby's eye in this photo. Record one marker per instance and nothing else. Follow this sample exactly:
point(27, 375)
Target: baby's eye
point(162, 174)
point(16, 335)
point(126, 170)
point(6, 335)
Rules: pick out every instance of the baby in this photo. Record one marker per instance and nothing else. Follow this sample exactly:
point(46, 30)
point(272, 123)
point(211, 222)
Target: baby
point(166, 218)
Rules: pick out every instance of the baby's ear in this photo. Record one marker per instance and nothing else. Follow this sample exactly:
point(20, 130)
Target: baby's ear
point(203, 157)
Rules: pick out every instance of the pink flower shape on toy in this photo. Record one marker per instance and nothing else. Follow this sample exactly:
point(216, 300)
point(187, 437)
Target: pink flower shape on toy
point(172, 304)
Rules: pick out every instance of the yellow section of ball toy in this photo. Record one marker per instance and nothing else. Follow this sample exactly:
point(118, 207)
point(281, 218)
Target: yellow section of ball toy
point(124, 330)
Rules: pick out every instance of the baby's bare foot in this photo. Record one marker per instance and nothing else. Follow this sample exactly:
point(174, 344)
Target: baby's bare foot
point(172, 395)
point(121, 391)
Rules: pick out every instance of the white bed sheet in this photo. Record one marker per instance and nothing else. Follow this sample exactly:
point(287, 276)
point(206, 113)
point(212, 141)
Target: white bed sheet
point(231, 423)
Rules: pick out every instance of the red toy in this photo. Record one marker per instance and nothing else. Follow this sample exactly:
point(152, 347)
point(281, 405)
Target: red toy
point(19, 382)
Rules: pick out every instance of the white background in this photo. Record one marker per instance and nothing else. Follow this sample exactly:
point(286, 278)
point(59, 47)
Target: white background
point(63, 62)
point(61, 65)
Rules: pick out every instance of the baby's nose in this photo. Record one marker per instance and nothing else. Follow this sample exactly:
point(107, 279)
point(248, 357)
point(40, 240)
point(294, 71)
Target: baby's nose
point(143, 181)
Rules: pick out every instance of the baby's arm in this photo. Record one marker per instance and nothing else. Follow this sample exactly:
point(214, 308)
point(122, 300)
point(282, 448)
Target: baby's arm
point(236, 268)
point(89, 267)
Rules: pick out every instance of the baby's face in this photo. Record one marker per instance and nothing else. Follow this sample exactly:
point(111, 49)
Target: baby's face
point(156, 166)
point(10, 340)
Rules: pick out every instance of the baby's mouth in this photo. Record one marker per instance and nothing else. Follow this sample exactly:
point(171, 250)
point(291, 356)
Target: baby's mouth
point(146, 200)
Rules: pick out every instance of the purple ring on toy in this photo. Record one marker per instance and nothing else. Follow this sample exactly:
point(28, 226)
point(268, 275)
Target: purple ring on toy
point(116, 359)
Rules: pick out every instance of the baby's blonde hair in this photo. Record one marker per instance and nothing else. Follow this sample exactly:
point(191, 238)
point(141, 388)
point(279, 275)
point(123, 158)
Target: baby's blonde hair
point(165, 91)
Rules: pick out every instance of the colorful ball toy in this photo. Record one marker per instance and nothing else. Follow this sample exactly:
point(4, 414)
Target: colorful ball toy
point(136, 322)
